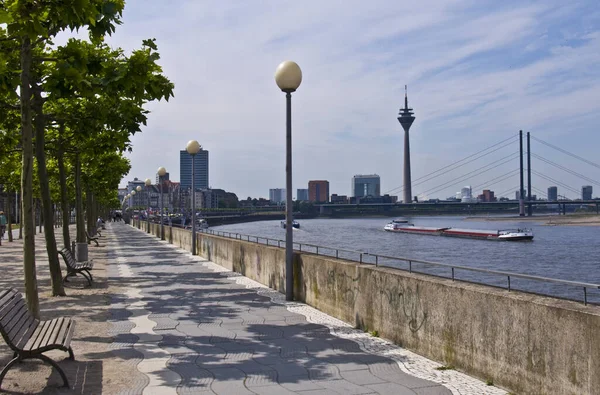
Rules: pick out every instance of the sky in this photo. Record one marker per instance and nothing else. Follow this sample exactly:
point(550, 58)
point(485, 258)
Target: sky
point(477, 73)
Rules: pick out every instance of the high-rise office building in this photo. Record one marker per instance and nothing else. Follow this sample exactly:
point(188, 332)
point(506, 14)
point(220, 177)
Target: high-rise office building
point(165, 178)
point(487, 196)
point(318, 191)
point(586, 192)
point(277, 195)
point(302, 195)
point(552, 194)
point(366, 185)
point(139, 199)
point(200, 170)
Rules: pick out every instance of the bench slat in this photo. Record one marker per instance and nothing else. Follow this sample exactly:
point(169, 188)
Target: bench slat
point(22, 338)
point(35, 337)
point(55, 332)
point(71, 329)
point(6, 296)
point(9, 309)
point(8, 304)
point(60, 338)
point(45, 340)
point(13, 327)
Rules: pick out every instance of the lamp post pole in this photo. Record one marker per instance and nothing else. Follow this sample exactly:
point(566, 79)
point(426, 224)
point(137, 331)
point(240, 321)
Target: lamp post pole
point(140, 201)
point(193, 208)
point(148, 182)
point(161, 173)
point(289, 212)
point(193, 147)
point(288, 77)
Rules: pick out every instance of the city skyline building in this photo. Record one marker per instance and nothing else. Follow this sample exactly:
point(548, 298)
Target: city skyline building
point(277, 195)
point(366, 185)
point(552, 194)
point(487, 196)
point(406, 119)
point(302, 195)
point(466, 195)
point(318, 191)
point(586, 192)
point(139, 199)
point(200, 170)
point(165, 178)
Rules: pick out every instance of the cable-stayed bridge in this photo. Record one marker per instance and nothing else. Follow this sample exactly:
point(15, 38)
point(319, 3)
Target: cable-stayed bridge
point(529, 170)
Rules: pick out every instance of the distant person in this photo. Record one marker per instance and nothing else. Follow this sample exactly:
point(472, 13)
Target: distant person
point(99, 223)
point(2, 224)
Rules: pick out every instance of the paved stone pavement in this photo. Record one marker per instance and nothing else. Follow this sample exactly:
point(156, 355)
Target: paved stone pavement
point(193, 327)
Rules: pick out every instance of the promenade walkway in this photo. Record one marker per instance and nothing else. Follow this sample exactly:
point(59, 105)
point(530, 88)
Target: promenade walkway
point(178, 324)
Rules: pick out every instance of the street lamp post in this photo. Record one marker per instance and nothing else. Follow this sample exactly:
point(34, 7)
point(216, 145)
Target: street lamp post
point(161, 173)
point(132, 206)
point(288, 77)
point(139, 189)
point(148, 182)
point(193, 147)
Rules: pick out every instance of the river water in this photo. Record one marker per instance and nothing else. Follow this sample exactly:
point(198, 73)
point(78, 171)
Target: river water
point(561, 252)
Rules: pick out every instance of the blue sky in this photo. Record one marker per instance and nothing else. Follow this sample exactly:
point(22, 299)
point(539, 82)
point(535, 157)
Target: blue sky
point(477, 72)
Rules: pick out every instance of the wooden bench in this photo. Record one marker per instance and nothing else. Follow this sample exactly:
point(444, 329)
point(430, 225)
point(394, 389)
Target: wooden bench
point(74, 267)
point(91, 238)
point(29, 337)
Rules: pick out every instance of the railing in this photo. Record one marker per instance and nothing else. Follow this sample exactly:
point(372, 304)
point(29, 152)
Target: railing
point(380, 260)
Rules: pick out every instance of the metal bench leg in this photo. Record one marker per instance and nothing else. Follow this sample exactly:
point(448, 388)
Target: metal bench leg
point(96, 241)
point(7, 367)
point(55, 365)
point(86, 277)
point(71, 355)
point(89, 274)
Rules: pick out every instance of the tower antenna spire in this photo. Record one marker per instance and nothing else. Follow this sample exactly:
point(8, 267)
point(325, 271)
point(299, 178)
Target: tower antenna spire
point(406, 117)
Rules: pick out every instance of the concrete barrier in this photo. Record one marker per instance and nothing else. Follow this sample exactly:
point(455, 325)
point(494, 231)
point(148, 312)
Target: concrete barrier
point(527, 343)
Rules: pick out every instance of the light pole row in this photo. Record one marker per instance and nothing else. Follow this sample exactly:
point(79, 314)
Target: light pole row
point(288, 77)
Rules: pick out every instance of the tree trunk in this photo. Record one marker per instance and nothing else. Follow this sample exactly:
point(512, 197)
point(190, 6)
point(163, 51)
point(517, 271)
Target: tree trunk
point(47, 206)
point(38, 207)
point(28, 216)
point(89, 210)
point(79, 202)
point(64, 199)
point(9, 224)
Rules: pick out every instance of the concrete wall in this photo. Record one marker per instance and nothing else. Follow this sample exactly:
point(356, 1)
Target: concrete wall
point(527, 343)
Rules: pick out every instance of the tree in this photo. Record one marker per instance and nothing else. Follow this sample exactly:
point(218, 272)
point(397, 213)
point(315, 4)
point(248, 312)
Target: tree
point(33, 24)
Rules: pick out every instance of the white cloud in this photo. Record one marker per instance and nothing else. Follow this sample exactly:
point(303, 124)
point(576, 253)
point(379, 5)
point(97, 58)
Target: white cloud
point(477, 73)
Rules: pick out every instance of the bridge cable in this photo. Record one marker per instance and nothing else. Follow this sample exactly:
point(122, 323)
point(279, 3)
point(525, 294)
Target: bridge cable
point(555, 181)
point(539, 191)
point(564, 151)
point(489, 183)
point(566, 169)
point(509, 190)
point(461, 178)
point(447, 168)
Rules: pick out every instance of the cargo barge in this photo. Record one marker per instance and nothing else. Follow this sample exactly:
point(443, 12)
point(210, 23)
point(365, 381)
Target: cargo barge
point(500, 235)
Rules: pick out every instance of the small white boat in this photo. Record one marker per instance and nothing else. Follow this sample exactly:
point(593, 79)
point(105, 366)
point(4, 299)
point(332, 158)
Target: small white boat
point(514, 235)
point(295, 224)
point(395, 224)
point(202, 224)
